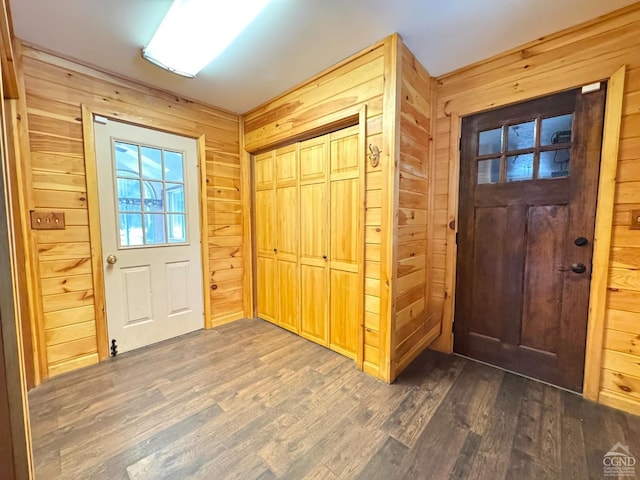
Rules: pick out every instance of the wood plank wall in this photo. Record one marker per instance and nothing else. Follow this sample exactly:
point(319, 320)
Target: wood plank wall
point(415, 326)
point(309, 108)
point(578, 56)
point(55, 91)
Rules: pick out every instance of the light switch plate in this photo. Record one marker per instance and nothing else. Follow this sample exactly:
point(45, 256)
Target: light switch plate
point(635, 220)
point(41, 220)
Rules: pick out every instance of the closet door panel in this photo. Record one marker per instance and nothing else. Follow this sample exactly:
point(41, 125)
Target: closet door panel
point(313, 262)
point(314, 223)
point(287, 223)
point(345, 224)
point(344, 153)
point(267, 294)
point(264, 171)
point(344, 312)
point(288, 295)
point(346, 243)
point(314, 246)
point(265, 222)
point(314, 296)
point(286, 166)
point(313, 160)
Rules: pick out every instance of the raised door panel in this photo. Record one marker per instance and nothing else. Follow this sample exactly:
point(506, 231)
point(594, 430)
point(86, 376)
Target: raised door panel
point(314, 224)
point(267, 288)
point(344, 312)
point(313, 303)
point(345, 224)
point(313, 160)
point(265, 222)
point(345, 153)
point(264, 170)
point(287, 294)
point(287, 224)
point(286, 166)
point(543, 277)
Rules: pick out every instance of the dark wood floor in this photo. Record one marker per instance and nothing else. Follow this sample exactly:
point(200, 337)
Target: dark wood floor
point(249, 400)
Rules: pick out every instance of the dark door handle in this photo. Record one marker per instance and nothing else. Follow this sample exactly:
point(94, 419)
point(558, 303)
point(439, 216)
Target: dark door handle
point(575, 268)
point(275, 250)
point(324, 257)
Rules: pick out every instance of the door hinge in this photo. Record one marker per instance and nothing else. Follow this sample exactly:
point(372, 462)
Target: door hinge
point(456, 238)
point(114, 348)
point(460, 144)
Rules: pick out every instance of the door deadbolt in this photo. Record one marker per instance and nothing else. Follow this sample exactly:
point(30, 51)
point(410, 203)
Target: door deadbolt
point(112, 259)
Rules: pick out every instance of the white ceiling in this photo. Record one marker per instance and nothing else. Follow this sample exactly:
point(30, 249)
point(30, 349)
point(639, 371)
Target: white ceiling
point(293, 40)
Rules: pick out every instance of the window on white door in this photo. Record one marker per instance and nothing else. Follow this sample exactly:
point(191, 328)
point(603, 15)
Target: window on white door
point(151, 195)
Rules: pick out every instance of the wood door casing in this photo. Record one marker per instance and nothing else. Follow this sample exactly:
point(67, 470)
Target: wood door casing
point(518, 303)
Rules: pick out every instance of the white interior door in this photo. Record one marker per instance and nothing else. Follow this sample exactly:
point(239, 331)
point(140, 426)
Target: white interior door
point(149, 216)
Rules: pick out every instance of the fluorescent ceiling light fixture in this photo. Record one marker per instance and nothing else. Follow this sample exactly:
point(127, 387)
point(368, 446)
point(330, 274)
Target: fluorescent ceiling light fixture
point(194, 32)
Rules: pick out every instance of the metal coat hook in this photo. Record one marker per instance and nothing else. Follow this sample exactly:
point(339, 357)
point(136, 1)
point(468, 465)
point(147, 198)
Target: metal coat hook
point(374, 156)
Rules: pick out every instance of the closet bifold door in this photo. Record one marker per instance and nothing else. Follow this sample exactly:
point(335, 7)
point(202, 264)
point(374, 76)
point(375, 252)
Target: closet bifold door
point(345, 256)
point(265, 234)
point(314, 239)
point(287, 238)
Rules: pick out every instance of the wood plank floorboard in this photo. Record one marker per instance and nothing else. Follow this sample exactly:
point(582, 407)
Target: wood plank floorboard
point(249, 400)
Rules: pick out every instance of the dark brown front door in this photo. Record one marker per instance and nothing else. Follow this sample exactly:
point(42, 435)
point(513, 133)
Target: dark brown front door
point(528, 184)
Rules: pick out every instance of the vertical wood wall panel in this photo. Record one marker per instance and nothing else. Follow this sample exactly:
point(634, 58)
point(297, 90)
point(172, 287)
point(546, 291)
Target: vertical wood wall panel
point(415, 325)
point(56, 89)
point(578, 56)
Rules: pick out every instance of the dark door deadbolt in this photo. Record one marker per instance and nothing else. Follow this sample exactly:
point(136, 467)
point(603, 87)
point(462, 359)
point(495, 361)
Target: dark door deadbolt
point(581, 241)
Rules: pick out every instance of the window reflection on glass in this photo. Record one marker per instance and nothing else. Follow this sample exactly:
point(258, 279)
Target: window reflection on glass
point(521, 136)
point(489, 171)
point(154, 231)
point(177, 228)
point(151, 160)
point(556, 129)
point(128, 195)
point(490, 141)
point(520, 167)
point(173, 167)
point(153, 196)
point(131, 229)
point(126, 156)
point(175, 198)
point(554, 164)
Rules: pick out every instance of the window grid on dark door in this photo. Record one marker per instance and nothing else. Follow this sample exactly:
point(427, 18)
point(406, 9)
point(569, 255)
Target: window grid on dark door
point(530, 149)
